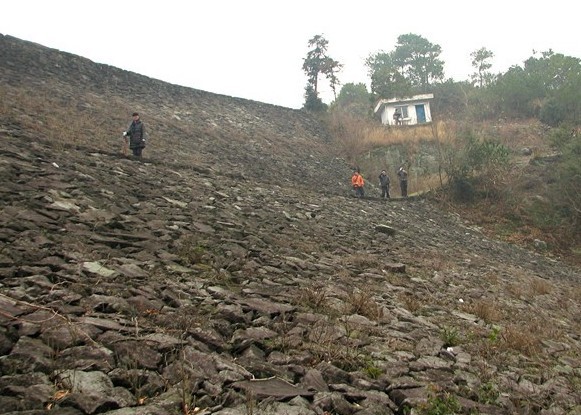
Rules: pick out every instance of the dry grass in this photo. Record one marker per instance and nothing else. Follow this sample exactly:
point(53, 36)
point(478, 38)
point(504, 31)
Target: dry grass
point(540, 286)
point(190, 250)
point(426, 183)
point(356, 136)
point(517, 290)
point(523, 333)
point(315, 297)
point(182, 322)
point(435, 260)
point(518, 206)
point(521, 339)
point(362, 303)
point(397, 279)
point(485, 310)
point(410, 301)
point(492, 279)
point(328, 341)
point(576, 294)
point(361, 261)
point(70, 121)
point(529, 288)
point(526, 133)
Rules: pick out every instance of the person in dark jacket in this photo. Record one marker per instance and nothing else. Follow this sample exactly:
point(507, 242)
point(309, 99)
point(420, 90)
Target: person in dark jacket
point(403, 181)
point(384, 184)
point(397, 117)
point(137, 135)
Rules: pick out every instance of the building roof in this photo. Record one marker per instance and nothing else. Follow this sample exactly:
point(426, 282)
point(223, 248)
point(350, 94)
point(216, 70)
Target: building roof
point(406, 100)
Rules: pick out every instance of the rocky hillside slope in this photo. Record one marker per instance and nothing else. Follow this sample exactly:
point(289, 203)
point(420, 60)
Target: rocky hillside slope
point(231, 272)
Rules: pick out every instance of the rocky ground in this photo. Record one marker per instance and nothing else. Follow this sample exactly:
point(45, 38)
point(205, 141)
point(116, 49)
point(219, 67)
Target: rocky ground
point(231, 272)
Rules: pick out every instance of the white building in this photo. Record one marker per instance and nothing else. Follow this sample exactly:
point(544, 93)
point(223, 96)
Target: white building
point(414, 110)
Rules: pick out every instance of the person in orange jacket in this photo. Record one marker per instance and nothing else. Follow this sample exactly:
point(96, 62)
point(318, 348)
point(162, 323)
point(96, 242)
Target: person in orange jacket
point(357, 182)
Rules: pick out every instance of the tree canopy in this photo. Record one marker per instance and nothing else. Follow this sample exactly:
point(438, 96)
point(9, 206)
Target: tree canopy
point(412, 66)
point(546, 86)
point(316, 63)
point(481, 64)
point(418, 60)
point(354, 99)
point(386, 79)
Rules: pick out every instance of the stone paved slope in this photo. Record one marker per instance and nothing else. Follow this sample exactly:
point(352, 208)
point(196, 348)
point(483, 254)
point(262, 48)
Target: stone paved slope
point(231, 272)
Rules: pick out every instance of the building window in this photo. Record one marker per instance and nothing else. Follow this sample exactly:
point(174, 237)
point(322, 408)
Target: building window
point(403, 110)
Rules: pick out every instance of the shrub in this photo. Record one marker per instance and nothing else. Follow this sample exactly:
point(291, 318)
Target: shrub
point(462, 189)
point(551, 113)
point(470, 161)
point(312, 101)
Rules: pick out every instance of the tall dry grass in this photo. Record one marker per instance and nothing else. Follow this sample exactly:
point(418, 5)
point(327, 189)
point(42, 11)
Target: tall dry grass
point(360, 141)
point(356, 136)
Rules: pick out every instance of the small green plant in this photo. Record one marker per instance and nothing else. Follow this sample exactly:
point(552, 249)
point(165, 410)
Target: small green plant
point(450, 336)
point(191, 251)
point(494, 334)
point(372, 371)
point(194, 255)
point(441, 404)
point(488, 393)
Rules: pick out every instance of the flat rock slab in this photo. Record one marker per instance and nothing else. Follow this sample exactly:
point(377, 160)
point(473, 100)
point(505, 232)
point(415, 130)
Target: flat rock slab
point(104, 324)
point(274, 387)
point(266, 307)
point(9, 308)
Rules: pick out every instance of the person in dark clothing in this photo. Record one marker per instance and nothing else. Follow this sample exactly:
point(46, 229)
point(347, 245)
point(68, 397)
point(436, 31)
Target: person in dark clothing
point(137, 135)
point(403, 181)
point(384, 184)
point(397, 117)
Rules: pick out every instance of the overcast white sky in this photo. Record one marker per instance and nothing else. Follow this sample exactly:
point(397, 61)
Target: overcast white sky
point(255, 48)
